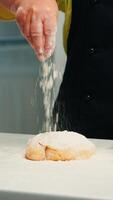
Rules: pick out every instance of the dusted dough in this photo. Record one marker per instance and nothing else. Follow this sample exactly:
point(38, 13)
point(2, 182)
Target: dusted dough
point(59, 146)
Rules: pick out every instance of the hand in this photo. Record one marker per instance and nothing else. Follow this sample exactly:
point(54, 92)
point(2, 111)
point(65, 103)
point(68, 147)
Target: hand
point(37, 20)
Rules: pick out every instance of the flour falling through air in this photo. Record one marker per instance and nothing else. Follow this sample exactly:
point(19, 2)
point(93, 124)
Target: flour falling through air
point(48, 76)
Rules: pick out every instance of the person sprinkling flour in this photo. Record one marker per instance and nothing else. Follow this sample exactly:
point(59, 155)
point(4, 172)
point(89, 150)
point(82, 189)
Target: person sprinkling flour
point(85, 100)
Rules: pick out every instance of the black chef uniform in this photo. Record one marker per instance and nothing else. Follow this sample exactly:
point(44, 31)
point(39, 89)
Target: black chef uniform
point(85, 100)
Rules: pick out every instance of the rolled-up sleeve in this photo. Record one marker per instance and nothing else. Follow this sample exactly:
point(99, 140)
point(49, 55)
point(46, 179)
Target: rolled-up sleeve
point(66, 6)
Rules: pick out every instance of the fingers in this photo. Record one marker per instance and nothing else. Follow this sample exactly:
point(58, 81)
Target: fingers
point(21, 16)
point(32, 28)
point(24, 20)
point(27, 27)
point(50, 28)
point(37, 36)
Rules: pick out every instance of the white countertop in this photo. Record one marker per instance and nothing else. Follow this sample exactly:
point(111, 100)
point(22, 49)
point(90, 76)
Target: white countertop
point(45, 180)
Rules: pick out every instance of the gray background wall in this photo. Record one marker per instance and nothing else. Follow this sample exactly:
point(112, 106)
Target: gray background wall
point(19, 70)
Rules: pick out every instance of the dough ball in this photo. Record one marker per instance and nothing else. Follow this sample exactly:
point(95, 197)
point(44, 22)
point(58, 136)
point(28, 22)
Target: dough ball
point(59, 146)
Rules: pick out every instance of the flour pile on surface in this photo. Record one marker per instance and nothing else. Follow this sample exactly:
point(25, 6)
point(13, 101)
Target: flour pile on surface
point(59, 146)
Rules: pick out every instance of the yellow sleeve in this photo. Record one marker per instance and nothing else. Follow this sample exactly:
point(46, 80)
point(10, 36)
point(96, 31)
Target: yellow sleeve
point(5, 14)
point(61, 4)
point(66, 6)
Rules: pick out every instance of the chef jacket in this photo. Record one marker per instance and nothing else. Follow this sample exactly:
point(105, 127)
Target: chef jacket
point(85, 100)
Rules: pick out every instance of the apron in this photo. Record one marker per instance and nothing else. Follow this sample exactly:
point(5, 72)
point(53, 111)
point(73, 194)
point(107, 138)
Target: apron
point(85, 99)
